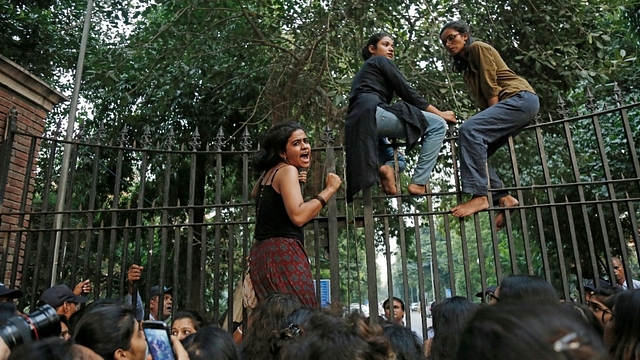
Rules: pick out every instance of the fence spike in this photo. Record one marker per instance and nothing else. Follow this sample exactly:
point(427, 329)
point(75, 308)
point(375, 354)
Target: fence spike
point(124, 136)
point(562, 111)
point(170, 140)
point(591, 101)
point(617, 94)
point(145, 140)
point(100, 136)
point(246, 141)
point(219, 142)
point(327, 136)
point(195, 143)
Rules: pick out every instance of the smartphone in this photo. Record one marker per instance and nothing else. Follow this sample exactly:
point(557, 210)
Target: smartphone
point(158, 341)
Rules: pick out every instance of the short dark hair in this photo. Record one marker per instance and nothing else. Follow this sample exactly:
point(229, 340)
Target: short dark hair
point(90, 330)
point(385, 304)
point(373, 40)
point(459, 63)
point(625, 325)
point(527, 288)
point(212, 342)
point(52, 348)
point(198, 320)
point(404, 342)
point(272, 143)
point(449, 318)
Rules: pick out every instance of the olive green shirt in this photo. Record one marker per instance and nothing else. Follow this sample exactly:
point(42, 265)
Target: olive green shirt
point(488, 75)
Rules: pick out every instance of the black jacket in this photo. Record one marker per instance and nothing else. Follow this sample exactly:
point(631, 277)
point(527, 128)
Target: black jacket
point(373, 86)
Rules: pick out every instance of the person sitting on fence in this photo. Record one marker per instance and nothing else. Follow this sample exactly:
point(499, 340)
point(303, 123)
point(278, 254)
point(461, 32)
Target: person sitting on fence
point(133, 275)
point(508, 104)
point(371, 116)
point(278, 262)
point(386, 161)
point(621, 277)
point(61, 298)
point(397, 315)
point(187, 322)
point(9, 295)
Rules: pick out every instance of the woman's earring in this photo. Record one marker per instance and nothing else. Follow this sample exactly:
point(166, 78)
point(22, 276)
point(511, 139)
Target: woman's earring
point(284, 158)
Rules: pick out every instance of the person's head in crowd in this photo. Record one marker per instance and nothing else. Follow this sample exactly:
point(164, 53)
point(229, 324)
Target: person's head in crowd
point(405, 344)
point(526, 288)
point(154, 301)
point(449, 318)
point(622, 333)
point(488, 296)
point(326, 337)
point(621, 277)
point(187, 322)
point(212, 342)
point(265, 320)
point(7, 311)
point(9, 295)
point(590, 287)
point(585, 314)
point(601, 303)
point(62, 298)
point(64, 327)
point(112, 332)
point(394, 313)
point(530, 331)
point(53, 348)
point(73, 320)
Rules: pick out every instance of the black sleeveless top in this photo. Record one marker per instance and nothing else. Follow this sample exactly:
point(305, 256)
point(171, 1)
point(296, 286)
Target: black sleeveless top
point(272, 218)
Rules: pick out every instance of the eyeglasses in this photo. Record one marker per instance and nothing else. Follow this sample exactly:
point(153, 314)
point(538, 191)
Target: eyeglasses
point(489, 295)
point(599, 311)
point(449, 39)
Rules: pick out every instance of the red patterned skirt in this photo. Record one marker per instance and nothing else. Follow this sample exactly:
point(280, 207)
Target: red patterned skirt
point(281, 266)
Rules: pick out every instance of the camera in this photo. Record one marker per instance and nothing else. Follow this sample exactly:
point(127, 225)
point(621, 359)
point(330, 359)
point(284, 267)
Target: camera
point(41, 323)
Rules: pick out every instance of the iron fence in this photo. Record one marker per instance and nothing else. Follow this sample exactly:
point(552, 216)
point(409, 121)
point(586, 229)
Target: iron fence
point(185, 214)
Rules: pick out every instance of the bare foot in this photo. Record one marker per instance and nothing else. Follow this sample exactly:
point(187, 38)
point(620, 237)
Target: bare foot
point(477, 203)
point(506, 202)
point(388, 179)
point(415, 189)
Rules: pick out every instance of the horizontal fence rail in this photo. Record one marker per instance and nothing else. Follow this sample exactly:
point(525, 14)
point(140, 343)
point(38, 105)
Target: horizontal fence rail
point(185, 214)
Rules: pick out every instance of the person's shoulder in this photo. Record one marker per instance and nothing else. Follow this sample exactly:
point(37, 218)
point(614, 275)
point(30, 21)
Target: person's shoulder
point(380, 61)
point(480, 46)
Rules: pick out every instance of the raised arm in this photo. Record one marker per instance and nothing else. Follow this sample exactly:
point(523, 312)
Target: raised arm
point(299, 211)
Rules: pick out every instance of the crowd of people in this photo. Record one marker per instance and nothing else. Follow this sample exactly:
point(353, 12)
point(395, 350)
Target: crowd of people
point(521, 318)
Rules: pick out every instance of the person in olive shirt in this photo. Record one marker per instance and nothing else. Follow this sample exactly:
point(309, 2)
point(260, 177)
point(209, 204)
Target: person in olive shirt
point(508, 104)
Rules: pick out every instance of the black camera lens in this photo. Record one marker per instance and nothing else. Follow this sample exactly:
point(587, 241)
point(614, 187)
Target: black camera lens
point(22, 329)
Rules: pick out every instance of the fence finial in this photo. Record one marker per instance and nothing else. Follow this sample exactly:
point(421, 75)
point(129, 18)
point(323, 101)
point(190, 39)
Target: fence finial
point(145, 140)
point(327, 137)
point(123, 139)
point(562, 111)
point(219, 142)
point(195, 143)
point(617, 94)
point(246, 141)
point(591, 101)
point(170, 141)
point(101, 135)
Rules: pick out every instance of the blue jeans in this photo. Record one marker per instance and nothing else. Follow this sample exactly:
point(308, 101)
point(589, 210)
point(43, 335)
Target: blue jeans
point(484, 133)
point(385, 155)
point(390, 126)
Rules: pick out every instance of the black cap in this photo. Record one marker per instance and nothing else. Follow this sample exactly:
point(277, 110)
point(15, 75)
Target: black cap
point(9, 293)
point(155, 290)
point(590, 285)
point(59, 294)
point(490, 289)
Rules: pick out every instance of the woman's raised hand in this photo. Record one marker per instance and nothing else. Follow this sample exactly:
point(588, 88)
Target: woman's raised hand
point(333, 182)
point(449, 116)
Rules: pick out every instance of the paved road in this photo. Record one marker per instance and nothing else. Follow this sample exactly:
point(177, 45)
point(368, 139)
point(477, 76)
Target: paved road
point(416, 323)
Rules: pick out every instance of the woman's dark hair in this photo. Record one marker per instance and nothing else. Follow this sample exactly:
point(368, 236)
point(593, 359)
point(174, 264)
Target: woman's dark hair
point(265, 322)
point(272, 144)
point(527, 288)
point(373, 40)
point(528, 331)
point(606, 296)
point(76, 316)
point(212, 342)
point(449, 318)
point(105, 330)
point(459, 64)
point(405, 344)
point(196, 318)
point(625, 326)
point(583, 312)
point(53, 348)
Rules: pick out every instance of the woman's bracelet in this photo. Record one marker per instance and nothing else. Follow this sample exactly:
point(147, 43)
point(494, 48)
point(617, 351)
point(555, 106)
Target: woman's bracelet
point(323, 202)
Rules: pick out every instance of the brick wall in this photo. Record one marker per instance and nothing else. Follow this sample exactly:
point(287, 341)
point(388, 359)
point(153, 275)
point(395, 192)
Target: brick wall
point(28, 100)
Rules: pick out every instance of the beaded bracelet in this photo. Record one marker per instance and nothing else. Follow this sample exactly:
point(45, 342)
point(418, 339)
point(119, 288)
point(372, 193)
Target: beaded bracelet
point(323, 202)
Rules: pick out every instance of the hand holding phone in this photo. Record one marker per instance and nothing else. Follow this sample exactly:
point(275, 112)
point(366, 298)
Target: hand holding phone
point(157, 335)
